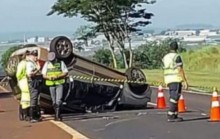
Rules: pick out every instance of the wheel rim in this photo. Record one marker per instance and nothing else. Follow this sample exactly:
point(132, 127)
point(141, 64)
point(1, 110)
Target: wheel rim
point(137, 75)
point(63, 47)
point(12, 64)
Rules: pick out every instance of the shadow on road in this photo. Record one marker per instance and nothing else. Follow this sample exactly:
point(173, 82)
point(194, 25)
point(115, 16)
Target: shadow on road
point(195, 119)
point(5, 95)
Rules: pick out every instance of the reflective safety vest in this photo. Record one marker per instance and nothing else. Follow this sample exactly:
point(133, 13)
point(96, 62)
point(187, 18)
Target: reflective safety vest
point(21, 76)
point(171, 73)
point(21, 70)
point(54, 70)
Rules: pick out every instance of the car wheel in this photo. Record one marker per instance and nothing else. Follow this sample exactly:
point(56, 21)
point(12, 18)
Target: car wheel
point(62, 47)
point(11, 66)
point(135, 74)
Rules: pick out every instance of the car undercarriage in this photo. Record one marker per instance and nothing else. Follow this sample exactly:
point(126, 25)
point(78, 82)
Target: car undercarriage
point(96, 88)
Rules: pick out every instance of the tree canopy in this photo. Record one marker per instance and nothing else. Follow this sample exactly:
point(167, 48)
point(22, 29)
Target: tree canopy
point(147, 56)
point(6, 55)
point(114, 18)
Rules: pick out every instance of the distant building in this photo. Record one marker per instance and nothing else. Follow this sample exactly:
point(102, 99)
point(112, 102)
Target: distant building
point(194, 39)
point(181, 33)
point(41, 39)
point(37, 40)
point(208, 32)
point(158, 38)
point(32, 40)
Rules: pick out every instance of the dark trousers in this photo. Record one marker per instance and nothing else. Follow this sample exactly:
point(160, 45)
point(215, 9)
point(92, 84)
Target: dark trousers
point(175, 93)
point(34, 95)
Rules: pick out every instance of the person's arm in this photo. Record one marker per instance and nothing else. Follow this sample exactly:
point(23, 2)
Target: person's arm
point(38, 66)
point(30, 69)
point(179, 64)
point(182, 73)
point(19, 70)
point(44, 72)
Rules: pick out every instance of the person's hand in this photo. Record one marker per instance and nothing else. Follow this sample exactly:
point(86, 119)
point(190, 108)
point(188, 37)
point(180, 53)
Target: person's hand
point(54, 77)
point(51, 78)
point(185, 85)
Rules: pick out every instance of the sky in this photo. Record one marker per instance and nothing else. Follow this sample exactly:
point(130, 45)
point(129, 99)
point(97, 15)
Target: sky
point(30, 15)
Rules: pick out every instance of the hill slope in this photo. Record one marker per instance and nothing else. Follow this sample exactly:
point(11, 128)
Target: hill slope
point(205, 59)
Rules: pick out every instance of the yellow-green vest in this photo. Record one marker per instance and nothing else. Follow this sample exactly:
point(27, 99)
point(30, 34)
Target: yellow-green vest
point(54, 70)
point(22, 79)
point(171, 73)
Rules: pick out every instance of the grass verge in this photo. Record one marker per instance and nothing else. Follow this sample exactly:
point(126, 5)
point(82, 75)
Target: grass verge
point(199, 80)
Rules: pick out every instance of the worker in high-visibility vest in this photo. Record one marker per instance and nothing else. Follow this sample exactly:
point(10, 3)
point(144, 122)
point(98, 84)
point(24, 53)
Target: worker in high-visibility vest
point(23, 85)
point(34, 81)
point(174, 77)
point(54, 72)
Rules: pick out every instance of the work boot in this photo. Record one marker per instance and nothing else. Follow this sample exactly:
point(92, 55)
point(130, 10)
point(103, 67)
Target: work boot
point(26, 114)
point(174, 118)
point(38, 113)
point(178, 119)
point(57, 115)
point(33, 115)
point(171, 118)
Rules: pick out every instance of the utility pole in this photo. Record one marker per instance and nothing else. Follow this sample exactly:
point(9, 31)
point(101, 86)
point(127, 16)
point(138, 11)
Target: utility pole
point(24, 40)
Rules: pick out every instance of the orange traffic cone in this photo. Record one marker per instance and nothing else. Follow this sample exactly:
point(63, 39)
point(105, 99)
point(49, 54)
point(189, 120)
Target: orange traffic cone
point(181, 104)
point(215, 95)
point(161, 103)
point(215, 108)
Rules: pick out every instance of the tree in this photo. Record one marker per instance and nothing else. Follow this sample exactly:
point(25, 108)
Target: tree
point(103, 56)
point(6, 55)
point(84, 33)
point(112, 18)
point(122, 23)
point(128, 23)
point(149, 56)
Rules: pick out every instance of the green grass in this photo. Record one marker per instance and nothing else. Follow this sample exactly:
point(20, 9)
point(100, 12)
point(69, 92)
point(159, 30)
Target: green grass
point(201, 80)
point(202, 68)
point(206, 59)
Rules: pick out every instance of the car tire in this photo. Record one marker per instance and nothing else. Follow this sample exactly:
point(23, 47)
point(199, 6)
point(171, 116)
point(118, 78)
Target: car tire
point(135, 74)
point(62, 47)
point(11, 65)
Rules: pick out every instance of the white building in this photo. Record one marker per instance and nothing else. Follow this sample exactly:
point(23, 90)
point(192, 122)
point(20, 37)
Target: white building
point(181, 33)
point(194, 39)
point(31, 40)
point(41, 39)
point(158, 38)
point(207, 32)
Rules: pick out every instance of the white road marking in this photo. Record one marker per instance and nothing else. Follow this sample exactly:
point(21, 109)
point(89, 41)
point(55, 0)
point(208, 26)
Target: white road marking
point(75, 134)
point(151, 103)
point(120, 121)
point(203, 114)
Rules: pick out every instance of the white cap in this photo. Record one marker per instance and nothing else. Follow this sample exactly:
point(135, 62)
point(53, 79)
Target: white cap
point(51, 56)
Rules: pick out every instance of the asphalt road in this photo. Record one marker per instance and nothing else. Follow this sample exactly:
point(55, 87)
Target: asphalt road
point(150, 123)
point(12, 128)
